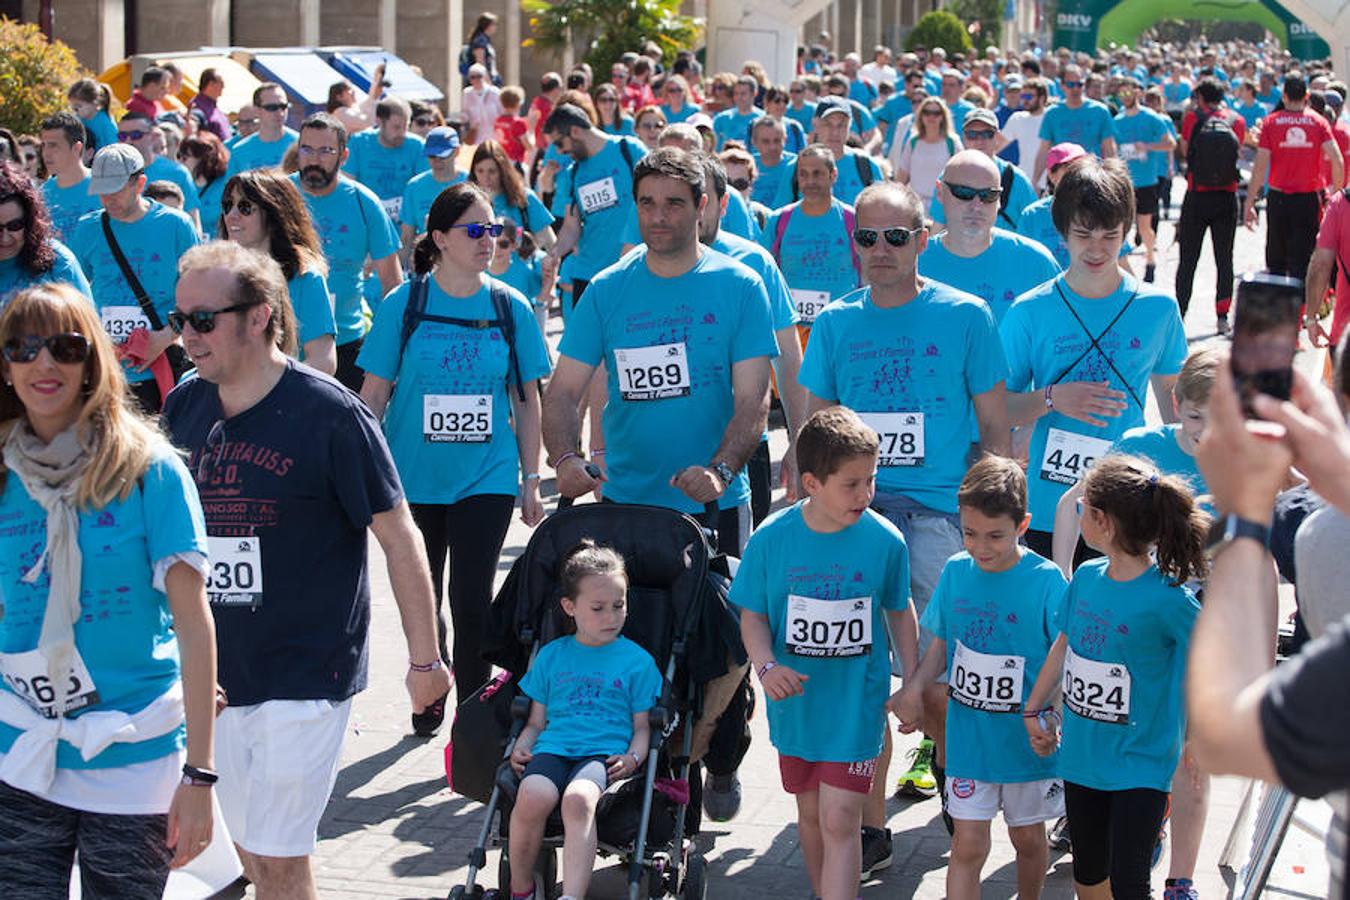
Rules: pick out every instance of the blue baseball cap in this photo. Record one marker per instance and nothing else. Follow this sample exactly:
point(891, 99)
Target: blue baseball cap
point(442, 142)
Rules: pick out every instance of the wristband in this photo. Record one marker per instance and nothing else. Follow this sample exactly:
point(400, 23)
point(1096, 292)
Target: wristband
point(764, 669)
point(637, 763)
point(199, 777)
point(564, 458)
point(425, 667)
point(598, 452)
point(533, 476)
point(1049, 398)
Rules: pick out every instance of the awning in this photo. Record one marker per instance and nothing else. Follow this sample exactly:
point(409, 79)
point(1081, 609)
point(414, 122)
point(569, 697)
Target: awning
point(358, 65)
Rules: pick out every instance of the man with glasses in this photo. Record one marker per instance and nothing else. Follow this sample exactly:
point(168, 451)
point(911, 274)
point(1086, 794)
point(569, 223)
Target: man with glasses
point(892, 353)
point(387, 156)
point(246, 124)
point(776, 100)
point(975, 253)
point(67, 190)
point(800, 109)
point(980, 133)
point(267, 147)
point(136, 131)
point(352, 226)
point(289, 587)
point(1023, 127)
point(1078, 120)
point(150, 238)
point(1140, 132)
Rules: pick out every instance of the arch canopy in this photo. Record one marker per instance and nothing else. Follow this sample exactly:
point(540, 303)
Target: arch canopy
point(1089, 24)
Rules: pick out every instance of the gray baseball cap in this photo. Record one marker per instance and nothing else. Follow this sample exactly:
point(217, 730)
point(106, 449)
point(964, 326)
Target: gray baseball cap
point(113, 167)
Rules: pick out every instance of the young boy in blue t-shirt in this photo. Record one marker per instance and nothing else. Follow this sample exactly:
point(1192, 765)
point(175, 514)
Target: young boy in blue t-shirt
point(992, 617)
point(819, 584)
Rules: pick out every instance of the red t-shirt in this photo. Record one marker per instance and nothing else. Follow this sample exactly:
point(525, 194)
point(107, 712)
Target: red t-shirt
point(1239, 128)
point(1334, 235)
point(636, 96)
point(1341, 132)
point(1295, 141)
point(145, 107)
point(509, 130)
point(543, 106)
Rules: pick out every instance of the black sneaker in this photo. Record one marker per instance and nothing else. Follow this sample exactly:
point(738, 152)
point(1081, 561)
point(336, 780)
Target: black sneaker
point(1059, 835)
point(428, 721)
point(1221, 326)
point(876, 850)
point(940, 776)
point(1149, 271)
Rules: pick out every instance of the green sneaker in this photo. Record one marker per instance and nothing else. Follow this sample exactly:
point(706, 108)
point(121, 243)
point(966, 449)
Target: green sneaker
point(919, 781)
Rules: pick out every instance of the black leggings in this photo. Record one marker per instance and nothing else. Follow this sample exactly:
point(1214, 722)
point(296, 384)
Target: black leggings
point(473, 531)
point(1113, 833)
point(760, 469)
point(1217, 213)
point(1291, 231)
point(348, 372)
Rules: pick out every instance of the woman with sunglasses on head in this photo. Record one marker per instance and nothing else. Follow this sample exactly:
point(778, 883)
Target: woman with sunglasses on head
point(613, 120)
point(263, 210)
point(927, 145)
point(520, 263)
point(460, 405)
point(103, 558)
point(425, 116)
point(648, 123)
point(492, 171)
point(29, 250)
point(90, 100)
point(206, 159)
point(675, 103)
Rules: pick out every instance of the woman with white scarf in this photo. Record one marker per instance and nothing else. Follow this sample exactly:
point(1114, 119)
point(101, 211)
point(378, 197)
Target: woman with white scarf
point(105, 737)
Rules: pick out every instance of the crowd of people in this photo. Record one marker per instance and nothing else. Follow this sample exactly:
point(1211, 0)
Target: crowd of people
point(939, 269)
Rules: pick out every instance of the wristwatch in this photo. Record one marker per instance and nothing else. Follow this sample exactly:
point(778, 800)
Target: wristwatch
point(724, 472)
point(1230, 528)
point(195, 777)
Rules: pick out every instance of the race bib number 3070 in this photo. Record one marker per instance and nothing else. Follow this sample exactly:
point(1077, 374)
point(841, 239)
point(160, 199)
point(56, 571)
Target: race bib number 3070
point(1097, 690)
point(26, 675)
point(823, 628)
point(457, 418)
point(653, 373)
point(1069, 455)
point(236, 573)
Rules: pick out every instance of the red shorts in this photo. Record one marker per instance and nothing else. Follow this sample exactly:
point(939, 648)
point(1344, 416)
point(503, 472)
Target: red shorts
point(800, 775)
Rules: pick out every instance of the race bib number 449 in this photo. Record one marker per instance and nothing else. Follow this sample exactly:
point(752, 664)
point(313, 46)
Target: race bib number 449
point(1068, 455)
point(824, 628)
point(457, 418)
point(901, 435)
point(26, 675)
point(1097, 690)
point(653, 373)
point(985, 681)
point(236, 574)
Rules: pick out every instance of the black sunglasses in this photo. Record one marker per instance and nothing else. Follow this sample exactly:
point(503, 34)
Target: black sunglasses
point(896, 237)
point(475, 230)
point(203, 321)
point(127, 137)
point(15, 226)
point(1073, 84)
point(966, 192)
point(740, 184)
point(245, 206)
point(424, 121)
point(273, 107)
point(67, 348)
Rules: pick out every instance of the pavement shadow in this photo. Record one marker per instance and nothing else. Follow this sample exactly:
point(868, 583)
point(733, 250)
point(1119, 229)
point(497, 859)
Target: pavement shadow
point(347, 813)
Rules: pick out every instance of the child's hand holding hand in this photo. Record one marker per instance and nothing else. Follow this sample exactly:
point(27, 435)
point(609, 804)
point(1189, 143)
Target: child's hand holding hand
point(907, 705)
point(780, 682)
point(1044, 735)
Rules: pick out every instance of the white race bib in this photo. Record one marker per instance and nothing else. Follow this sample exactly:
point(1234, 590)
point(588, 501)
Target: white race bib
point(393, 206)
point(26, 675)
point(236, 576)
point(809, 304)
point(1130, 152)
point(653, 373)
point(1096, 690)
point(823, 628)
point(986, 681)
point(121, 321)
point(1069, 455)
point(597, 195)
point(457, 418)
point(901, 435)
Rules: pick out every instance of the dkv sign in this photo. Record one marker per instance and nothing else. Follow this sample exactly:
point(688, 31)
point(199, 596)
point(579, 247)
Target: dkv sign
point(1074, 21)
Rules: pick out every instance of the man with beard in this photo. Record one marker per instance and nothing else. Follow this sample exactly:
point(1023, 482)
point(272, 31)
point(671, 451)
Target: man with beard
point(1024, 126)
point(353, 226)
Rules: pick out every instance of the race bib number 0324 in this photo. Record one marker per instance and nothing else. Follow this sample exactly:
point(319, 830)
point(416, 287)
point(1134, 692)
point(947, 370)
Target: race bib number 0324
point(1097, 690)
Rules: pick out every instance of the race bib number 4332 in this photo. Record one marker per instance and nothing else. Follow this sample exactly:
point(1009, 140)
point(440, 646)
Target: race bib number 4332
point(653, 373)
point(457, 418)
point(829, 627)
point(26, 675)
point(121, 321)
point(1069, 455)
point(1097, 690)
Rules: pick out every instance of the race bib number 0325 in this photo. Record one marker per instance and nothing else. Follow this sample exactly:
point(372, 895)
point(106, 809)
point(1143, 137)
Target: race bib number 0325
point(1096, 690)
point(1069, 455)
point(653, 373)
point(457, 418)
point(825, 628)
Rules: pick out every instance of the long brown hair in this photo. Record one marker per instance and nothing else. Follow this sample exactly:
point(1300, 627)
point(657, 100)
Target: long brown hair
point(513, 186)
point(291, 237)
point(1149, 509)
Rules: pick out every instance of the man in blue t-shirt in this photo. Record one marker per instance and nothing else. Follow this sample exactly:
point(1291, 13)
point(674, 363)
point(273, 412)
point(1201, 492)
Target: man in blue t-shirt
point(352, 227)
point(137, 131)
point(734, 124)
point(1140, 132)
point(67, 190)
point(767, 139)
point(289, 585)
point(385, 157)
point(267, 146)
point(981, 133)
point(1078, 120)
point(855, 169)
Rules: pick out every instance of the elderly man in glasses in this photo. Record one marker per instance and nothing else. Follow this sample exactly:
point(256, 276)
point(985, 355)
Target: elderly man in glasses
point(268, 145)
point(892, 352)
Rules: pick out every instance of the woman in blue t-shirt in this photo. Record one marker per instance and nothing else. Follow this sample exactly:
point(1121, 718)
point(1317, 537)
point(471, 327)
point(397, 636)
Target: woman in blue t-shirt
point(102, 564)
point(262, 209)
point(206, 158)
point(29, 251)
point(91, 100)
point(459, 399)
point(521, 264)
point(613, 120)
point(493, 171)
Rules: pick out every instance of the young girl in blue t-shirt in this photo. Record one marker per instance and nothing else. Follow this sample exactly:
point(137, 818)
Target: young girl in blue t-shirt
point(1125, 627)
point(588, 722)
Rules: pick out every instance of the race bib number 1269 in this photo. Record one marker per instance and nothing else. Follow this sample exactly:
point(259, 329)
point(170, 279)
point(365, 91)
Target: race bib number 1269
point(653, 373)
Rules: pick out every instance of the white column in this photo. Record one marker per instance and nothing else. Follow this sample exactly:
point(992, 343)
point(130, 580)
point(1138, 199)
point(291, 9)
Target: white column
point(111, 32)
point(388, 26)
point(512, 69)
point(309, 23)
point(454, 39)
point(218, 23)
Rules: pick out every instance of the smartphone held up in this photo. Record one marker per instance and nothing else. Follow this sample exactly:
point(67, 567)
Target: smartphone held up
point(1265, 336)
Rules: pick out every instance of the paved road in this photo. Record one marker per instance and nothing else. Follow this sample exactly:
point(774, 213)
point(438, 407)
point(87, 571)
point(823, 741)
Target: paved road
point(393, 829)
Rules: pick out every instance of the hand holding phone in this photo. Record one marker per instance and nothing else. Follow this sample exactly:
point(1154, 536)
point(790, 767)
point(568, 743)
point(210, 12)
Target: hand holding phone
point(1265, 336)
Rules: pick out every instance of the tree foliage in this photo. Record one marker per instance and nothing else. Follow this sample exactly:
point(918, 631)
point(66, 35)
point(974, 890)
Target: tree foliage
point(610, 28)
point(34, 76)
point(939, 29)
point(986, 15)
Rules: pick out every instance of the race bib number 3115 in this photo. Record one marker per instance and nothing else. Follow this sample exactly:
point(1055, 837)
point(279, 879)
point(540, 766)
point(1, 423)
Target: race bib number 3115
point(653, 373)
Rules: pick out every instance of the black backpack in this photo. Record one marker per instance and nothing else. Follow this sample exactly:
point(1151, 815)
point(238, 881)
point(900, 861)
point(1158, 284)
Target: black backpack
point(862, 163)
point(1212, 154)
point(415, 313)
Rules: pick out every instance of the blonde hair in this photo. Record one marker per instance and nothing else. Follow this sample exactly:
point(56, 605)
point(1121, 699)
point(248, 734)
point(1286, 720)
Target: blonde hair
point(1197, 376)
point(120, 441)
point(946, 130)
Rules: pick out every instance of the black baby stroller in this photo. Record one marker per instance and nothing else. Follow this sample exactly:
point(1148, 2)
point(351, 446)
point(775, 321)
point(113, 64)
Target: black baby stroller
point(677, 611)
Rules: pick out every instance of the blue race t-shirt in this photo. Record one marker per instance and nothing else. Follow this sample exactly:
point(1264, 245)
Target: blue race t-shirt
point(1021, 194)
point(211, 196)
point(1251, 114)
point(1125, 670)
point(1011, 266)
point(910, 372)
point(1086, 126)
point(987, 620)
point(1159, 444)
point(313, 309)
point(66, 205)
point(815, 256)
point(601, 189)
point(152, 246)
point(254, 153)
point(536, 216)
point(843, 584)
point(421, 192)
point(669, 345)
point(524, 275)
point(767, 178)
point(679, 115)
point(385, 170)
point(591, 694)
point(731, 125)
point(14, 278)
point(449, 419)
point(165, 169)
point(102, 129)
point(738, 219)
point(1047, 341)
point(804, 117)
point(761, 262)
point(1144, 127)
point(352, 225)
point(288, 494)
point(124, 635)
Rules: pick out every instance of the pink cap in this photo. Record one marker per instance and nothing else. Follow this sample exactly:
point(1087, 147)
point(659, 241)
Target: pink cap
point(1063, 153)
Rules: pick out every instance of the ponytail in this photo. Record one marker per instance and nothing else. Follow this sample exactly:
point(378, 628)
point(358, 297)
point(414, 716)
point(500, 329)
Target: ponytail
point(425, 255)
point(1150, 510)
point(1182, 529)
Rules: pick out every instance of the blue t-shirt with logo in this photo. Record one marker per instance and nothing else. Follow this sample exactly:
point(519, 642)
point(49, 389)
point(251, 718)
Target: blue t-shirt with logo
point(738, 219)
point(165, 169)
point(1159, 445)
point(1002, 614)
point(525, 275)
point(65, 267)
point(1011, 266)
point(928, 356)
point(815, 254)
point(1251, 114)
point(385, 170)
point(1162, 159)
point(421, 192)
point(1087, 126)
point(690, 330)
point(352, 225)
point(1021, 194)
point(732, 125)
point(449, 419)
point(1145, 127)
point(601, 188)
point(124, 634)
point(1140, 631)
point(66, 205)
point(536, 212)
point(767, 178)
point(679, 115)
point(313, 309)
point(847, 184)
point(1046, 344)
point(254, 153)
point(591, 694)
point(856, 575)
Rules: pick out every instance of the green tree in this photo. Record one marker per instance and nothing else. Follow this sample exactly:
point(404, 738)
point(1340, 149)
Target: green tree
point(989, 15)
point(939, 29)
point(611, 28)
point(34, 76)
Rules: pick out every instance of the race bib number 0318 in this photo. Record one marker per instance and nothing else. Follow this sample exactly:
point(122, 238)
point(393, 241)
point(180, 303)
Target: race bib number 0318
point(985, 681)
point(1096, 690)
point(825, 628)
point(653, 373)
point(1069, 455)
point(457, 418)
point(901, 435)
point(26, 675)
point(235, 578)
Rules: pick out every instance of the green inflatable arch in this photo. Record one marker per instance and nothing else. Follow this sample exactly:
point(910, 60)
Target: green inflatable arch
point(1089, 24)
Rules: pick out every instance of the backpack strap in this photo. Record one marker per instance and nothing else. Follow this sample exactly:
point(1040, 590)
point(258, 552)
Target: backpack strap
point(780, 229)
point(128, 273)
point(416, 313)
point(1005, 181)
point(850, 223)
point(413, 314)
point(501, 308)
point(864, 166)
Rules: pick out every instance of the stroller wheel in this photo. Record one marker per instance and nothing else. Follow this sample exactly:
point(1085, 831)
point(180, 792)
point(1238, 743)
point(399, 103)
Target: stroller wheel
point(695, 885)
point(545, 875)
point(458, 893)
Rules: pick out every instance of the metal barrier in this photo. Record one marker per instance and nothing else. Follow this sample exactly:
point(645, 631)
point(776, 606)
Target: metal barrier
point(1275, 812)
